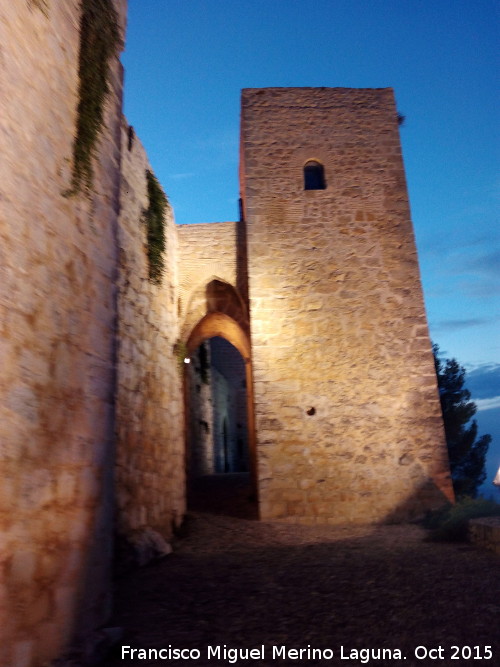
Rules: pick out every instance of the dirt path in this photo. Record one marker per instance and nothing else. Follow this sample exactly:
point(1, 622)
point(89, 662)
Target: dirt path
point(245, 584)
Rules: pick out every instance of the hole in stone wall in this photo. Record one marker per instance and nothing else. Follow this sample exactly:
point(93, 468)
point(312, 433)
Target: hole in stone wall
point(311, 411)
point(314, 175)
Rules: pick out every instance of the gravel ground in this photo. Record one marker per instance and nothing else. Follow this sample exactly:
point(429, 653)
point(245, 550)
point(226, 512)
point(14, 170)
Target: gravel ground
point(246, 584)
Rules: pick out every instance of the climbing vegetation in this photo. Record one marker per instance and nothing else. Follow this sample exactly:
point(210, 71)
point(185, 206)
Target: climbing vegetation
point(99, 41)
point(155, 221)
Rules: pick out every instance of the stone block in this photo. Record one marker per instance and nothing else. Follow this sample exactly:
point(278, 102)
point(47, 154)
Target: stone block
point(23, 653)
point(22, 567)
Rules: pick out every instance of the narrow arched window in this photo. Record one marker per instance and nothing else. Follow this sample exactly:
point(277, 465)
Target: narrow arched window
point(314, 175)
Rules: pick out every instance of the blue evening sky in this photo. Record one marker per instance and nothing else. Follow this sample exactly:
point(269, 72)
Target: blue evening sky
point(187, 60)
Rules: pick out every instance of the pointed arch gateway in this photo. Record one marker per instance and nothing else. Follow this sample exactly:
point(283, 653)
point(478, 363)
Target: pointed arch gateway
point(219, 324)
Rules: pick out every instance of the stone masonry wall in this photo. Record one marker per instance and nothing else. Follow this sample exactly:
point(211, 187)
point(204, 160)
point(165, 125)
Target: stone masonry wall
point(206, 252)
point(150, 438)
point(200, 428)
point(348, 420)
point(58, 265)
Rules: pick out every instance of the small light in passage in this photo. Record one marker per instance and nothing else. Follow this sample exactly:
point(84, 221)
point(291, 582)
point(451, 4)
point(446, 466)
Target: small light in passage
point(187, 360)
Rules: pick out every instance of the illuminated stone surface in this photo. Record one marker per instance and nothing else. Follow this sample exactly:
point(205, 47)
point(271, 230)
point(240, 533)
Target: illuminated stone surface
point(348, 420)
point(57, 329)
point(327, 315)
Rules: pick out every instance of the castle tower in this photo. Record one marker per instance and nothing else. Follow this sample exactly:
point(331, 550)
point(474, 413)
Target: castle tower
point(348, 420)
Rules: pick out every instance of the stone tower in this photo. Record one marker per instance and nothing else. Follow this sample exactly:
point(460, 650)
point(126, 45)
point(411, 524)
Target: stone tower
point(348, 421)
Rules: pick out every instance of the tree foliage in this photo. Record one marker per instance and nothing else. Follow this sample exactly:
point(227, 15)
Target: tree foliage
point(467, 452)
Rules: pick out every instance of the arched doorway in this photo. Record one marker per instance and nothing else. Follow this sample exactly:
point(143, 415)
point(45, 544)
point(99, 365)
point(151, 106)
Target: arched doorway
point(217, 430)
point(220, 436)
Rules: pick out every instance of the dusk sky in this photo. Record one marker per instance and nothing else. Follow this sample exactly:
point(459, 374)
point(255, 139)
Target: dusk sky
point(186, 62)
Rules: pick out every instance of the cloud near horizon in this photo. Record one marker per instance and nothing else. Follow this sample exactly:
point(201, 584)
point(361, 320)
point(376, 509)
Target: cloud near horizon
point(484, 384)
point(453, 325)
point(488, 262)
point(487, 403)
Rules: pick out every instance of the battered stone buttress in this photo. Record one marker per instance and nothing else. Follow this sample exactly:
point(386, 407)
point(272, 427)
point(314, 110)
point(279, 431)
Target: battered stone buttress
point(348, 421)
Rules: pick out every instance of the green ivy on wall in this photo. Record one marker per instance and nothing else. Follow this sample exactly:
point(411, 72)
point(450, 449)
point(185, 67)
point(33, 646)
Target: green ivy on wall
point(155, 221)
point(99, 41)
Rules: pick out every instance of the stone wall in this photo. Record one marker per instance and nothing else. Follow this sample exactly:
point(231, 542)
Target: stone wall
point(212, 279)
point(206, 252)
point(348, 420)
point(91, 398)
point(200, 440)
point(485, 533)
point(150, 437)
point(58, 265)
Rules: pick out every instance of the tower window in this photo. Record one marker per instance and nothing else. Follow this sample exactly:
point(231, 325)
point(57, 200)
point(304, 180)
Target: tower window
point(314, 175)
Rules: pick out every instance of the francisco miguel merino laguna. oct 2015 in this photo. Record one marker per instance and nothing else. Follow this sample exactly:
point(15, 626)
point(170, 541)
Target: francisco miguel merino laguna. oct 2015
point(281, 652)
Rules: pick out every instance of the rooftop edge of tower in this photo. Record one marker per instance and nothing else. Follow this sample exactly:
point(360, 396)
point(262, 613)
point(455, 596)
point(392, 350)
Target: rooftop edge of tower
point(317, 96)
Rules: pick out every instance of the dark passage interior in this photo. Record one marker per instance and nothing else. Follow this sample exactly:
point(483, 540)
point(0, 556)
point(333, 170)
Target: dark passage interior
point(217, 434)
